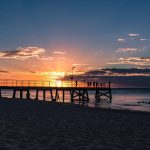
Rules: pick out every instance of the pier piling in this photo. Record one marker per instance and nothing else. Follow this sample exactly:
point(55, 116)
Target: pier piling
point(28, 94)
point(37, 94)
point(63, 96)
point(21, 94)
point(0, 93)
point(14, 93)
point(44, 94)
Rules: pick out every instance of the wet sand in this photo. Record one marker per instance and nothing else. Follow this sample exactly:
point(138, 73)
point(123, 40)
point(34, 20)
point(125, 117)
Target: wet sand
point(37, 125)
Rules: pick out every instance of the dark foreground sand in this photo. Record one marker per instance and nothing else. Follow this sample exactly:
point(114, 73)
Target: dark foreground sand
point(35, 125)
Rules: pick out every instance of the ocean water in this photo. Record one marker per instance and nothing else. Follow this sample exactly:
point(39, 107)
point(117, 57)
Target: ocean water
point(131, 99)
point(125, 99)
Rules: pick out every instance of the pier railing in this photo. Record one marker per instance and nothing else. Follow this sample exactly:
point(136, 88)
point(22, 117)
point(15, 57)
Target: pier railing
point(56, 83)
point(77, 89)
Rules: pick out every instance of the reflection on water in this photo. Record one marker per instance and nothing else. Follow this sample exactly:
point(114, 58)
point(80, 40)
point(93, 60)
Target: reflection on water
point(130, 99)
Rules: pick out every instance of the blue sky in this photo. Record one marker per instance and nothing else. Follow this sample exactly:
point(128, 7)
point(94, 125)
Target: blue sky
point(86, 33)
point(77, 21)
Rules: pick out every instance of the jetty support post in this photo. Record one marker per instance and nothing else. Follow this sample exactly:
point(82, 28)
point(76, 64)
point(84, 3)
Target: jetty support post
point(52, 97)
point(79, 94)
point(71, 95)
point(63, 96)
point(57, 95)
point(37, 94)
point(44, 94)
point(0, 93)
point(103, 92)
point(28, 94)
point(21, 94)
point(82, 94)
point(86, 95)
point(14, 93)
point(110, 94)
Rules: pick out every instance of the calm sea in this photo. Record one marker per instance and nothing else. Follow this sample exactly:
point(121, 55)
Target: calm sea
point(127, 99)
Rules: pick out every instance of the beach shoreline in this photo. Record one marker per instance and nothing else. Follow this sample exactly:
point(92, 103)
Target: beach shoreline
point(31, 124)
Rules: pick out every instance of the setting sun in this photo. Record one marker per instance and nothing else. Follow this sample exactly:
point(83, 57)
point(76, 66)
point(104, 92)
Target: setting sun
point(58, 83)
point(57, 75)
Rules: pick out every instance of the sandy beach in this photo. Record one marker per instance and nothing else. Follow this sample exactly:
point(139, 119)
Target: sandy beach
point(37, 125)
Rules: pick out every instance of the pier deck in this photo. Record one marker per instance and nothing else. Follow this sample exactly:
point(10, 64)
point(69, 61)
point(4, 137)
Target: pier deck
point(78, 90)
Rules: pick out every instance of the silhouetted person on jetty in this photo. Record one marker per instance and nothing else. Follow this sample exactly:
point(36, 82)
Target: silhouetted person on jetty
point(76, 82)
point(28, 95)
point(93, 84)
point(88, 84)
point(96, 84)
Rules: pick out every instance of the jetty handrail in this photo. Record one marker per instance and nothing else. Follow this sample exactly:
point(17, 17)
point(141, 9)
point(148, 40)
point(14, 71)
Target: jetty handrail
point(56, 83)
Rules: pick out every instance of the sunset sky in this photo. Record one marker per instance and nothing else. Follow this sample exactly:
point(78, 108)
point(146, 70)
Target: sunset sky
point(43, 38)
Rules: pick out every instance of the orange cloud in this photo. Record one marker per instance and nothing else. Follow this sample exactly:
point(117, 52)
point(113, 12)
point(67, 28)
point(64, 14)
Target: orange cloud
point(59, 52)
point(22, 53)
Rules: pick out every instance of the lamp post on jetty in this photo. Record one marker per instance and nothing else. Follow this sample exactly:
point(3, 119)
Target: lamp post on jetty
point(72, 76)
point(72, 72)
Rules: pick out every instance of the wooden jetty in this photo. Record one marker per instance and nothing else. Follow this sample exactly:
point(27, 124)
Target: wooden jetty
point(78, 91)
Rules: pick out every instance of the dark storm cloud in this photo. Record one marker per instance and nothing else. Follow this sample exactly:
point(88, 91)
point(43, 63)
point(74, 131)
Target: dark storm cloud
point(109, 71)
